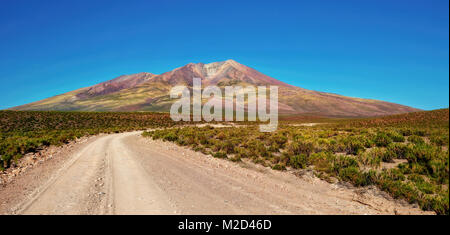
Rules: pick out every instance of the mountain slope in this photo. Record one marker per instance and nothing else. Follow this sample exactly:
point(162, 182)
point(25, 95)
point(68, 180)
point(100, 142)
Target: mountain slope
point(150, 92)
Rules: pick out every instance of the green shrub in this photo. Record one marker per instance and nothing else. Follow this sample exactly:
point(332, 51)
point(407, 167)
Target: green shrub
point(382, 140)
point(368, 178)
point(220, 155)
point(355, 146)
point(437, 203)
point(438, 168)
point(323, 161)
point(400, 150)
point(389, 156)
point(440, 140)
point(406, 132)
point(279, 167)
point(170, 136)
point(421, 184)
point(236, 158)
point(301, 147)
point(399, 189)
point(228, 147)
point(298, 161)
point(421, 153)
point(394, 174)
point(353, 175)
point(396, 137)
point(344, 162)
point(416, 139)
point(371, 157)
point(420, 132)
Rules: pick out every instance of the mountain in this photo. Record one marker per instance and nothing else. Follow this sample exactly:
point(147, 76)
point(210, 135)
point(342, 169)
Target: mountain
point(150, 92)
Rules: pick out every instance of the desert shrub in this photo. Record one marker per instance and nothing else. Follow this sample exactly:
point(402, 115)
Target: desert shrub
point(279, 167)
point(420, 132)
point(228, 147)
point(438, 168)
point(421, 184)
point(274, 148)
point(394, 174)
point(6, 160)
point(382, 140)
point(298, 161)
point(354, 146)
point(301, 147)
point(416, 139)
point(368, 142)
point(279, 139)
point(334, 146)
point(220, 136)
point(400, 150)
point(350, 174)
point(199, 149)
point(368, 178)
point(236, 158)
point(398, 189)
point(396, 137)
point(437, 203)
point(241, 152)
point(341, 162)
point(356, 177)
point(440, 140)
point(389, 155)
point(416, 168)
point(421, 153)
point(406, 131)
point(171, 136)
point(220, 155)
point(371, 157)
point(322, 161)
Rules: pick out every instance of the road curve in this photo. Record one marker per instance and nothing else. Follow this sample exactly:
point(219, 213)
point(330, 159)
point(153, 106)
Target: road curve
point(128, 174)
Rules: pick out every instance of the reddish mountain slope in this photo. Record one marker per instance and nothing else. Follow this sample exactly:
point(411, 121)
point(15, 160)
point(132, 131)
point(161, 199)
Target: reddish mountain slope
point(149, 92)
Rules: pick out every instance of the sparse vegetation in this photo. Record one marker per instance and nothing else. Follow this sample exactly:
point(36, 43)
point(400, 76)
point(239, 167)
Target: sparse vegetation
point(354, 150)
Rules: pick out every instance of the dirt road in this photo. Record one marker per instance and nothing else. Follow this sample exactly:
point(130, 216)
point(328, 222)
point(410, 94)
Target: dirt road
point(128, 174)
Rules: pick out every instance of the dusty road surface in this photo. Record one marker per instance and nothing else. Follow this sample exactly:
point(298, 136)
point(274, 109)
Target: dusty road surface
point(128, 174)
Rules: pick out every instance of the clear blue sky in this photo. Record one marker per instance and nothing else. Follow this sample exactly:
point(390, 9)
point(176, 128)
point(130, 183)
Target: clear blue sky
point(391, 50)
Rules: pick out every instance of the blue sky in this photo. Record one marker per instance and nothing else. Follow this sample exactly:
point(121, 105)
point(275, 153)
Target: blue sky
point(396, 51)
